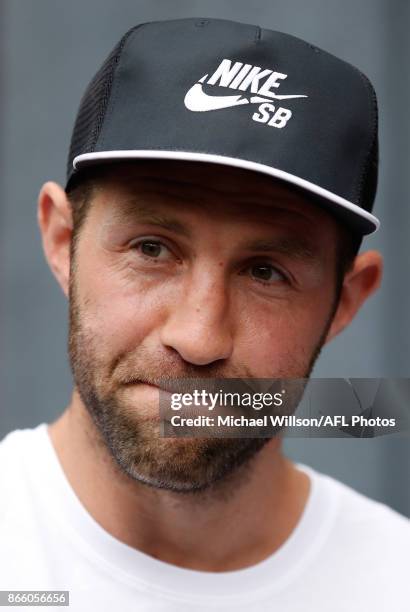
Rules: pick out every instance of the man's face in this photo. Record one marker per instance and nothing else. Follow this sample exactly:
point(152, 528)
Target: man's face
point(192, 271)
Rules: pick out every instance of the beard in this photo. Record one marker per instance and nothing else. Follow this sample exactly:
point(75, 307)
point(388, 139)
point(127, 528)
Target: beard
point(131, 433)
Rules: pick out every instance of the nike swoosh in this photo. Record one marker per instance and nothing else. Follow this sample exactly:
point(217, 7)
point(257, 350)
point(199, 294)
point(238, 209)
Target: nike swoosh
point(199, 101)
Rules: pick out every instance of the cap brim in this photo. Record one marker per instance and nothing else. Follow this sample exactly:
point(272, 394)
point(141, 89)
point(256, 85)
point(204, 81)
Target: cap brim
point(359, 219)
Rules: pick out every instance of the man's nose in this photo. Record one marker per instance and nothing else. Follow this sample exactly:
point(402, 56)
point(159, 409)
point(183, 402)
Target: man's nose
point(198, 325)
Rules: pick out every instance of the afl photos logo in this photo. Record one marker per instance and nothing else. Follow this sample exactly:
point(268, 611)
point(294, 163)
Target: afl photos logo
point(244, 78)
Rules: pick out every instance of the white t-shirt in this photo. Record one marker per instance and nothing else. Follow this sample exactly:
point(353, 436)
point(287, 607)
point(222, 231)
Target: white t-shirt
point(347, 553)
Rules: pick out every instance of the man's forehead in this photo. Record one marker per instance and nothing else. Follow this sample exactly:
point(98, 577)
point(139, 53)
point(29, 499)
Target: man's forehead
point(135, 185)
point(185, 174)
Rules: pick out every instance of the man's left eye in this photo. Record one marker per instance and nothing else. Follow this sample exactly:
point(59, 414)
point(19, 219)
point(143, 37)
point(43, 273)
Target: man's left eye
point(152, 248)
point(266, 273)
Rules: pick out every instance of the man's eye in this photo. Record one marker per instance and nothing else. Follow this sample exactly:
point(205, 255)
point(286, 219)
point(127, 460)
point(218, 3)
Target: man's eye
point(152, 248)
point(266, 273)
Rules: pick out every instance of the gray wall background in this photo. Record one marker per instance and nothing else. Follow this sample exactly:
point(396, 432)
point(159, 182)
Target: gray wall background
point(49, 51)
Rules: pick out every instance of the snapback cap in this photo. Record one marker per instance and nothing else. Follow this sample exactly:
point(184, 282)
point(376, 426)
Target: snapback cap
point(222, 92)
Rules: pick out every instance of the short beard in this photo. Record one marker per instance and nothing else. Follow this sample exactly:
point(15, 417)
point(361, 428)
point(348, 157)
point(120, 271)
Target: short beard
point(183, 465)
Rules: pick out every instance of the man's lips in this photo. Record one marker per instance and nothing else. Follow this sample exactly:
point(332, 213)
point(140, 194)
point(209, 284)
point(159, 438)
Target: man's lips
point(165, 389)
point(136, 383)
point(181, 385)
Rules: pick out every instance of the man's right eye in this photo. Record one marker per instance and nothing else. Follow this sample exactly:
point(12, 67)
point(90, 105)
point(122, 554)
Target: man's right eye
point(152, 249)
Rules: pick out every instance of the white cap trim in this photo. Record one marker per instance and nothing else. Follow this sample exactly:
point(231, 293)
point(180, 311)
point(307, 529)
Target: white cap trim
point(229, 161)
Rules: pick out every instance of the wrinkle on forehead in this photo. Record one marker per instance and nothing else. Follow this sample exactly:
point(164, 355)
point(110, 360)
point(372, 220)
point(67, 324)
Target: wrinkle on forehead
point(156, 202)
point(138, 193)
point(180, 177)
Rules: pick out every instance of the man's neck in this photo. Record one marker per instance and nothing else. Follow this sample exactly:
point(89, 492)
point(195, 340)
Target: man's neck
point(234, 524)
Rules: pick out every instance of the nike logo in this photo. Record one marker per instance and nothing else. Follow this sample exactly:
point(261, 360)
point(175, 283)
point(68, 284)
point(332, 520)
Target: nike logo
point(198, 101)
point(253, 84)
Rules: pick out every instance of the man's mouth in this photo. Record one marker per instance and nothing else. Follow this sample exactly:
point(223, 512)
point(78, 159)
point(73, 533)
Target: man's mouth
point(176, 385)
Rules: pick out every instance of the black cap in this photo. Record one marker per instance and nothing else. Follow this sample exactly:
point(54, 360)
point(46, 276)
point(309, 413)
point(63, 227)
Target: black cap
point(218, 91)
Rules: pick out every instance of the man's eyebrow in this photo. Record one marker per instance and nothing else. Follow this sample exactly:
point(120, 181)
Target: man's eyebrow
point(296, 248)
point(146, 214)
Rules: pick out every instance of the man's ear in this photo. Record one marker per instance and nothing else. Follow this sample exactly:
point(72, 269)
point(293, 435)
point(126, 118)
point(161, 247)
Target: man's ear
point(359, 283)
point(55, 221)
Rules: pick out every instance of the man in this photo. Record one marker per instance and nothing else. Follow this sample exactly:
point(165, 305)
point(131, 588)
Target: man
point(218, 190)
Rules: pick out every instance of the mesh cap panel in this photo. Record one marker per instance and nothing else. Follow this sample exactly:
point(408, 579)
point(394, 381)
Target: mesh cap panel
point(93, 105)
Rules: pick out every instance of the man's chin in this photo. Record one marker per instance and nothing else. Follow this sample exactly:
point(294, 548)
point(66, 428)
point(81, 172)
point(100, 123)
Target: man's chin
point(184, 465)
